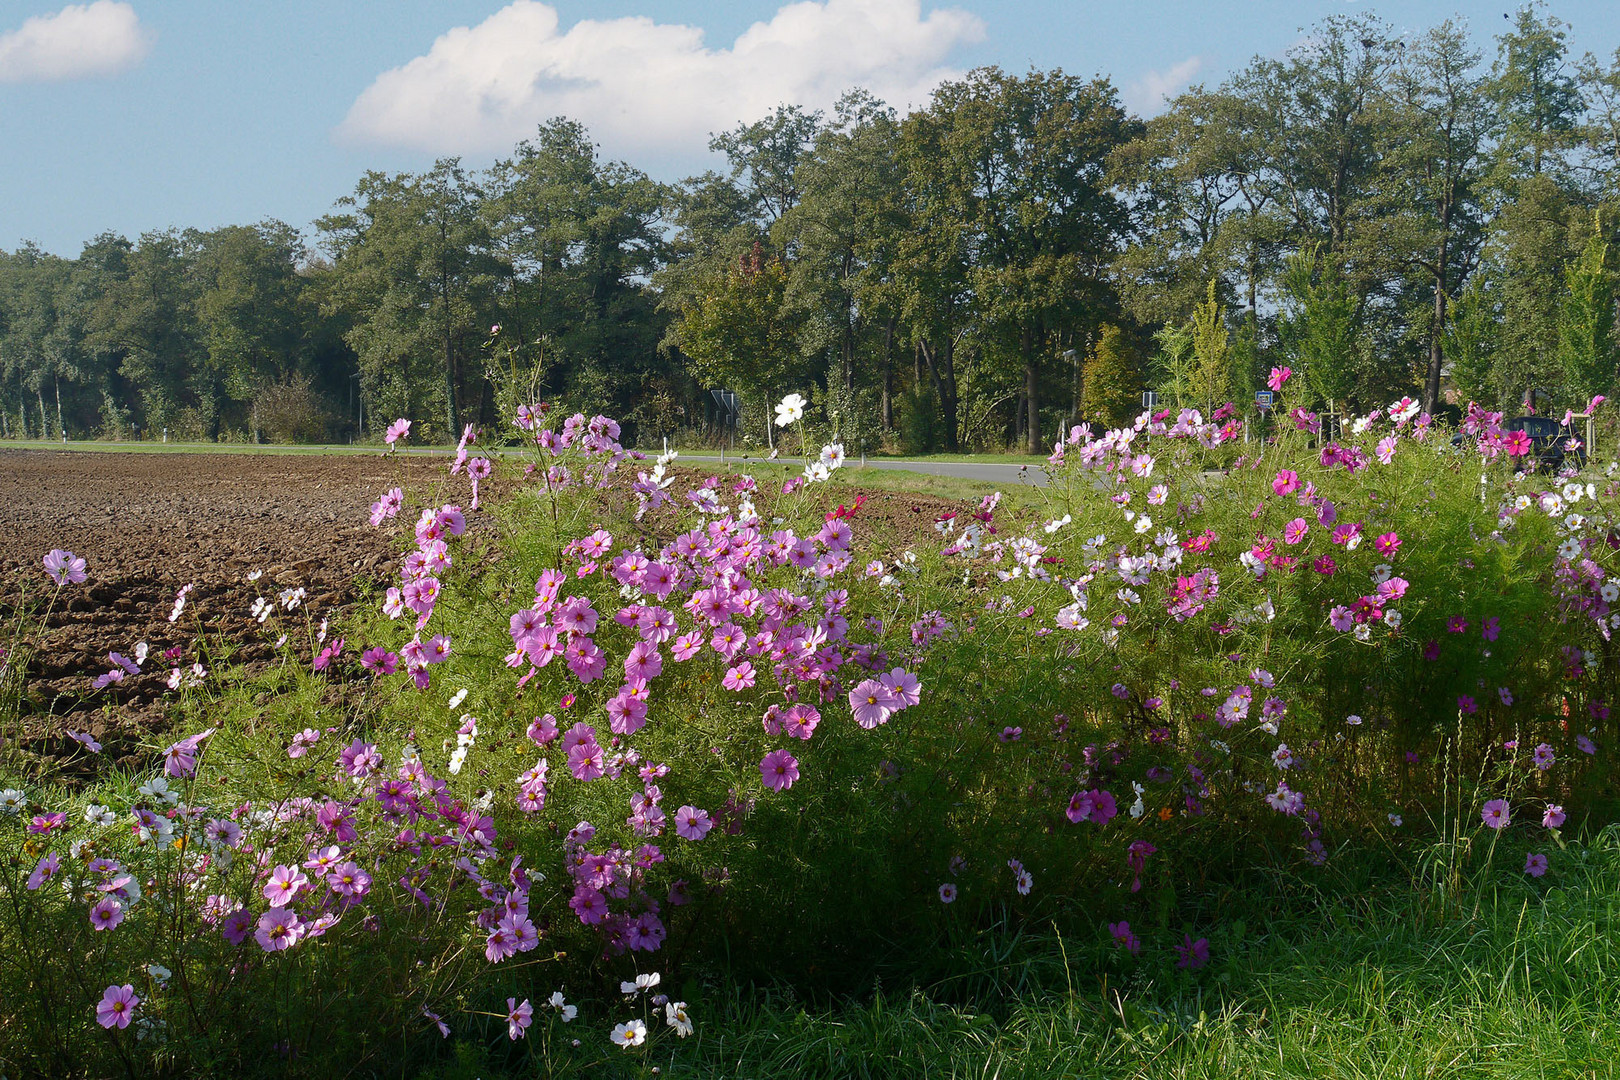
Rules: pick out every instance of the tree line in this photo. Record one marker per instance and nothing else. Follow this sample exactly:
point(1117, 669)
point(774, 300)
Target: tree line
point(1386, 214)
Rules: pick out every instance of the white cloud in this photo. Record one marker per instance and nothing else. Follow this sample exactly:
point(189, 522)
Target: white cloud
point(643, 87)
point(1148, 94)
point(80, 41)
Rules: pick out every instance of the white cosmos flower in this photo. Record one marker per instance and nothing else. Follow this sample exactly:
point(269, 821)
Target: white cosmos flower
point(791, 409)
point(632, 1034)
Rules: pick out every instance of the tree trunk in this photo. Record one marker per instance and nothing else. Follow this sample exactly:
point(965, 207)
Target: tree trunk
point(942, 368)
point(1033, 429)
point(888, 375)
point(61, 428)
point(1431, 385)
point(450, 383)
point(44, 417)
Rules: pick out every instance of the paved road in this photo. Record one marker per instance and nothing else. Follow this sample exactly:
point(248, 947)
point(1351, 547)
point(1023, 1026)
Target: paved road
point(989, 472)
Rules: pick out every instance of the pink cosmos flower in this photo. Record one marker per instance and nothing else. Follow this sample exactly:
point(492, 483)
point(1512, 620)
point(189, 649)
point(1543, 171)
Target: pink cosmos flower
point(379, 661)
point(644, 662)
point(107, 914)
point(1096, 806)
point(1554, 817)
point(284, 883)
point(589, 905)
point(501, 943)
point(117, 1006)
point(692, 823)
point(587, 762)
point(740, 677)
point(542, 729)
point(1543, 757)
point(236, 926)
point(947, 893)
point(800, 720)
point(84, 739)
point(1286, 482)
point(1535, 864)
point(904, 686)
point(687, 646)
point(180, 759)
point(279, 929)
point(398, 430)
point(518, 1018)
point(779, 769)
point(1295, 531)
point(1495, 814)
point(360, 759)
point(1388, 544)
point(302, 742)
point(1278, 377)
point(64, 567)
point(1516, 443)
point(872, 703)
point(45, 824)
point(44, 871)
point(1124, 937)
point(1585, 745)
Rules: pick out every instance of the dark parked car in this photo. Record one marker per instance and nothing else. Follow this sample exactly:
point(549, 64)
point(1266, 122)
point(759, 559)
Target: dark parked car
point(1550, 441)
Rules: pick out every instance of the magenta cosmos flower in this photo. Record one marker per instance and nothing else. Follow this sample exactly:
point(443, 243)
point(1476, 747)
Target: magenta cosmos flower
point(1194, 954)
point(64, 567)
point(779, 769)
point(117, 1006)
point(1495, 814)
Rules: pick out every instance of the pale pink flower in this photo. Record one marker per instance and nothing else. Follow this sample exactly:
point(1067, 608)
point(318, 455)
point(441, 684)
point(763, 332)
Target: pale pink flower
point(284, 883)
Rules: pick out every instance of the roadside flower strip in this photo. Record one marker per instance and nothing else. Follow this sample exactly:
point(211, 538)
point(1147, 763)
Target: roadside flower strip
point(1202, 636)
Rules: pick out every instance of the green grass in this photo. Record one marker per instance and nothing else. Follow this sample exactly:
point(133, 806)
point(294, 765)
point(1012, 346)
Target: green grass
point(855, 454)
point(899, 480)
point(1520, 981)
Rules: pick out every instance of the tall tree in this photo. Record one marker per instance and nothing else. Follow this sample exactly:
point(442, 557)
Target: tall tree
point(1023, 162)
point(1435, 162)
point(410, 261)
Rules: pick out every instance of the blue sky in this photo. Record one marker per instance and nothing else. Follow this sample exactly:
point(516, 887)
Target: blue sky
point(133, 115)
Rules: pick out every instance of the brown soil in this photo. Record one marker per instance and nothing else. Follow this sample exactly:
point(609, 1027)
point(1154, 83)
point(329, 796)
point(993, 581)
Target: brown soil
point(147, 524)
